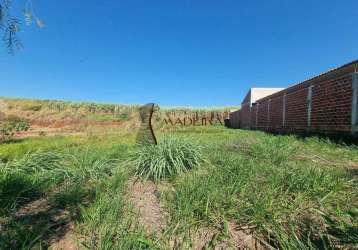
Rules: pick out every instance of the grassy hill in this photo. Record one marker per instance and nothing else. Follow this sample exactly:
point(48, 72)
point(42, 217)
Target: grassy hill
point(52, 116)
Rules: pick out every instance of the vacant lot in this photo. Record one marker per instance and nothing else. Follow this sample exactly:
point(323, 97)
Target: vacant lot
point(250, 189)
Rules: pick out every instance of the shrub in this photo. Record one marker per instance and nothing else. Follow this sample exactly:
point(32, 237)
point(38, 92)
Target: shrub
point(10, 126)
point(172, 155)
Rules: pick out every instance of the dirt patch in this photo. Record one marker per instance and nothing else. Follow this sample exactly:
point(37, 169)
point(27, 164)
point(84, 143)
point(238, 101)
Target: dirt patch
point(36, 131)
point(202, 238)
point(67, 129)
point(67, 241)
point(352, 169)
point(244, 145)
point(242, 238)
point(53, 225)
point(60, 123)
point(211, 238)
point(32, 208)
point(144, 196)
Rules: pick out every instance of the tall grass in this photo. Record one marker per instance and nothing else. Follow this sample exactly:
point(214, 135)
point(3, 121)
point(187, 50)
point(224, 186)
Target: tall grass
point(66, 179)
point(257, 181)
point(54, 110)
point(28, 177)
point(293, 193)
point(172, 155)
point(36, 173)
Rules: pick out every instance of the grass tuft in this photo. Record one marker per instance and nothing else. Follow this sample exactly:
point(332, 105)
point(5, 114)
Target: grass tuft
point(173, 155)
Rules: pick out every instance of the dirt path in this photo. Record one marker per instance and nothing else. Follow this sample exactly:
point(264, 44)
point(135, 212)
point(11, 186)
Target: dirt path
point(144, 196)
point(152, 216)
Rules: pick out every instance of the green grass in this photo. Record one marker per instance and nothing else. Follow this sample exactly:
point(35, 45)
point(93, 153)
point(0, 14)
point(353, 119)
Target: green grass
point(257, 180)
point(108, 222)
point(172, 156)
point(67, 177)
point(294, 193)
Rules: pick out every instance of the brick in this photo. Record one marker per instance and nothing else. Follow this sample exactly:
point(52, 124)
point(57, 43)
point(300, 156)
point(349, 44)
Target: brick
point(330, 106)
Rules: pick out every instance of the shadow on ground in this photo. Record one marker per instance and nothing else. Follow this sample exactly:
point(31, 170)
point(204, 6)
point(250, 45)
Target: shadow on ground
point(43, 222)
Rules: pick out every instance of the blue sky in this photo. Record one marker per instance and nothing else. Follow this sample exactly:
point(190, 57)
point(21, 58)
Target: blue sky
point(176, 53)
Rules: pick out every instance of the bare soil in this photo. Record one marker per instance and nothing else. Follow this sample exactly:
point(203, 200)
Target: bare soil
point(209, 238)
point(55, 225)
point(144, 196)
point(37, 131)
point(67, 241)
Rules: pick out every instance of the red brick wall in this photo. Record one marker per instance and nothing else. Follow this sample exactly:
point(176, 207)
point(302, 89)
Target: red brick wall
point(276, 107)
point(296, 110)
point(331, 105)
point(262, 116)
point(245, 115)
point(253, 116)
point(234, 118)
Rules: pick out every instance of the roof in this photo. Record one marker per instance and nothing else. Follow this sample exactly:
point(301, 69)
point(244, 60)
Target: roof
point(258, 93)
